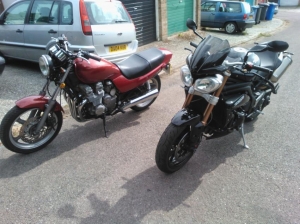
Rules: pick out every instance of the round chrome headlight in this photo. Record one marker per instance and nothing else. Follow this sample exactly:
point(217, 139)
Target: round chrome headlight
point(186, 76)
point(46, 65)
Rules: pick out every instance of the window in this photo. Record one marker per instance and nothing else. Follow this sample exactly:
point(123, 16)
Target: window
point(231, 7)
point(106, 13)
point(44, 12)
point(67, 13)
point(17, 13)
point(209, 7)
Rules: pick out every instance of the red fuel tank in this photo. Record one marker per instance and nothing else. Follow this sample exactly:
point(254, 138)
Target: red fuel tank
point(95, 71)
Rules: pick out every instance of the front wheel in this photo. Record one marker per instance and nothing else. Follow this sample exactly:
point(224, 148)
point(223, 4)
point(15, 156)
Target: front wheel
point(17, 130)
point(172, 151)
point(151, 84)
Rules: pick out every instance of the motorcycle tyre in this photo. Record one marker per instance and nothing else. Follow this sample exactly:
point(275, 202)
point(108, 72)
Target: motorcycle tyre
point(171, 136)
point(9, 120)
point(145, 106)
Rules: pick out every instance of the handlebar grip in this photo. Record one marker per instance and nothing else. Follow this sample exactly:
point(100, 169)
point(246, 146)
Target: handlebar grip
point(96, 58)
point(193, 44)
point(87, 55)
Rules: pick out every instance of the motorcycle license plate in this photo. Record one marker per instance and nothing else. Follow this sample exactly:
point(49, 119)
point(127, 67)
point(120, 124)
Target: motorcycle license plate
point(116, 48)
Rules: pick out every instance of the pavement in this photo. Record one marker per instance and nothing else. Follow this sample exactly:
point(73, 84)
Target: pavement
point(178, 42)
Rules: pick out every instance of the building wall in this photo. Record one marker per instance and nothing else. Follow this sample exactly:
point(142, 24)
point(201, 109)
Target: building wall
point(289, 2)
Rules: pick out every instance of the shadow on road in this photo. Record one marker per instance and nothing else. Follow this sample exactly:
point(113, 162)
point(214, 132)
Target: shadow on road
point(153, 190)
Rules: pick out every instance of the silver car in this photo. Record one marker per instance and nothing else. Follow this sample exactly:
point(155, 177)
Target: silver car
point(101, 27)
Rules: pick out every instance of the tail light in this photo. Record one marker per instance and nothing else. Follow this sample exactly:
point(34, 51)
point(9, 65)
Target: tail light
point(245, 16)
point(85, 22)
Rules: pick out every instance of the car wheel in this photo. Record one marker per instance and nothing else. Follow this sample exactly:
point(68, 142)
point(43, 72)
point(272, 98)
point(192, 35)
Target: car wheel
point(230, 27)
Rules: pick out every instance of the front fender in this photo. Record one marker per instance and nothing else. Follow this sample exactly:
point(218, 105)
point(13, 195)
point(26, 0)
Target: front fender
point(37, 102)
point(186, 118)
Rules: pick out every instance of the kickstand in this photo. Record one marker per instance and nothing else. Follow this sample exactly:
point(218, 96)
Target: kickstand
point(104, 126)
point(241, 131)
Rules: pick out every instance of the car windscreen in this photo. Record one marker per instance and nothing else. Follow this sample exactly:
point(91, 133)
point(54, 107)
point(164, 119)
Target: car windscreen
point(106, 13)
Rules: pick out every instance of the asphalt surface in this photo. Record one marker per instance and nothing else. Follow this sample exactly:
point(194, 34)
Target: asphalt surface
point(83, 177)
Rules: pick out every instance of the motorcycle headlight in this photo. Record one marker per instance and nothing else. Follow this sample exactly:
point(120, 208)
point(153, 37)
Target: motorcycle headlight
point(209, 84)
point(186, 76)
point(46, 65)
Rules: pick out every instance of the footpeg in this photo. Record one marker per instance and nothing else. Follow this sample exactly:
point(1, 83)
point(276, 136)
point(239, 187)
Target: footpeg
point(260, 112)
point(241, 131)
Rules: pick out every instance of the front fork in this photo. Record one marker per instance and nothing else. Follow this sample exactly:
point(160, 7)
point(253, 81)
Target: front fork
point(52, 101)
point(198, 127)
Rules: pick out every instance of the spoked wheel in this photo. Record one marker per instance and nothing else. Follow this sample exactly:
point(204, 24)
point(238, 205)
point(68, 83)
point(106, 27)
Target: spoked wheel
point(151, 84)
point(172, 151)
point(17, 130)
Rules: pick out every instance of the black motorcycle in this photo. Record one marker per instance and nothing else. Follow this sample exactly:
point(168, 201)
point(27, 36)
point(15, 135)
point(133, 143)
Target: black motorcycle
point(224, 88)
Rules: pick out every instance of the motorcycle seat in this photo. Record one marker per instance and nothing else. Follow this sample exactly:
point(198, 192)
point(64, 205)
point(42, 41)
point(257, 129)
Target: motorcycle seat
point(141, 63)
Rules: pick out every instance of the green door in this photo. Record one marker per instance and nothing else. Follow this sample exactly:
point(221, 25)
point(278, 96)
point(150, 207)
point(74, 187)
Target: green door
point(178, 12)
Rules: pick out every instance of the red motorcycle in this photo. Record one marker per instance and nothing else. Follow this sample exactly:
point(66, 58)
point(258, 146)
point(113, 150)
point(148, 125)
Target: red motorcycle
point(92, 88)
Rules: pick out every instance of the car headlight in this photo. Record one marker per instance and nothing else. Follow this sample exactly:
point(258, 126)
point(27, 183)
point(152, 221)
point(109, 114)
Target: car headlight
point(46, 65)
point(209, 84)
point(186, 76)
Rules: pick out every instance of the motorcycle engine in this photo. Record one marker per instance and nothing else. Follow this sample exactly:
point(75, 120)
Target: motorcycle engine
point(100, 99)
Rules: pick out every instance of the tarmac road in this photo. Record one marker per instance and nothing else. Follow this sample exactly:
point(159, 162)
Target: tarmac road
point(83, 177)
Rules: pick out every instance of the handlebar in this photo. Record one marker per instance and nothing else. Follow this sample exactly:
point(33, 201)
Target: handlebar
point(193, 44)
point(87, 55)
point(249, 66)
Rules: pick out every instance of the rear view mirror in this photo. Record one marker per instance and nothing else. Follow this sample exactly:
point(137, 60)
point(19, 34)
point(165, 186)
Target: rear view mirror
point(191, 24)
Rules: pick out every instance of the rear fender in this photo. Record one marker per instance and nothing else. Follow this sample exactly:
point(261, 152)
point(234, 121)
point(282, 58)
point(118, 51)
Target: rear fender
point(37, 102)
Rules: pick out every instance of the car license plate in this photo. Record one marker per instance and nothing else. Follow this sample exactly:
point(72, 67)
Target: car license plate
point(251, 17)
point(116, 48)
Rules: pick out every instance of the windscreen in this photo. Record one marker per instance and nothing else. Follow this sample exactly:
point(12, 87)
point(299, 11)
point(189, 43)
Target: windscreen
point(106, 12)
point(210, 52)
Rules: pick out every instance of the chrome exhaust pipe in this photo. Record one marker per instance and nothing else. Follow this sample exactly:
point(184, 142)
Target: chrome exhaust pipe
point(148, 96)
point(287, 60)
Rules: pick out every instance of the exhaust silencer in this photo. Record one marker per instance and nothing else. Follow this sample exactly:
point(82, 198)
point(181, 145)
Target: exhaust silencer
point(287, 60)
point(148, 96)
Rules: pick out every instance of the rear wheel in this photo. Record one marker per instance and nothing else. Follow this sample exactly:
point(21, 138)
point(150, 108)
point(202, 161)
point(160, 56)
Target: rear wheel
point(150, 85)
point(230, 27)
point(172, 151)
point(17, 130)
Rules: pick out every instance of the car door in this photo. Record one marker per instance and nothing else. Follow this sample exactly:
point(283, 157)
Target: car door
point(12, 30)
point(41, 26)
point(222, 15)
point(208, 12)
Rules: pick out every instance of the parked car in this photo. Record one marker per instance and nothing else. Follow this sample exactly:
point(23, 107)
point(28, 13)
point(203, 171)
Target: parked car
point(101, 27)
point(231, 15)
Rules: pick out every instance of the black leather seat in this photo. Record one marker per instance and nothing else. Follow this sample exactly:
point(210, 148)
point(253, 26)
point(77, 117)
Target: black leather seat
point(141, 63)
